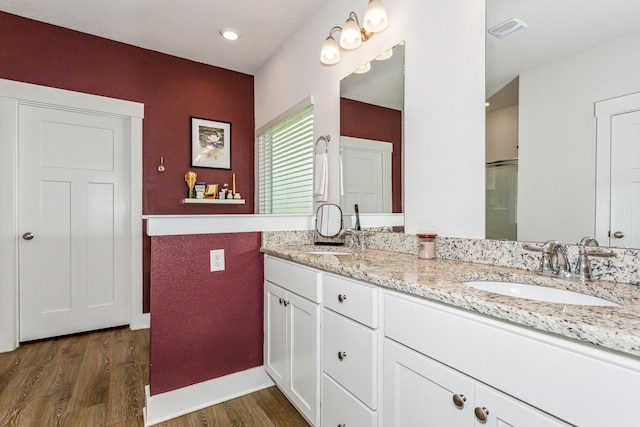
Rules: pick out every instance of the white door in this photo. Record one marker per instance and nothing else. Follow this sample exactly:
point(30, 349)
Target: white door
point(625, 180)
point(366, 175)
point(74, 211)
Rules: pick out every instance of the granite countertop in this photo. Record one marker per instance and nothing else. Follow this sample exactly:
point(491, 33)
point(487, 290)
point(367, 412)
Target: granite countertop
point(615, 328)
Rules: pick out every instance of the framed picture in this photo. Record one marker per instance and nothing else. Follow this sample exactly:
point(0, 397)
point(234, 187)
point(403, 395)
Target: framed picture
point(210, 144)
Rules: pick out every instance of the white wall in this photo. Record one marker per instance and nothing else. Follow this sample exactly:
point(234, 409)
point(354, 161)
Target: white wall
point(444, 102)
point(557, 138)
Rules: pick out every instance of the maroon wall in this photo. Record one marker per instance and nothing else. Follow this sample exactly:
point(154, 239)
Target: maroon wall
point(360, 120)
point(205, 324)
point(172, 90)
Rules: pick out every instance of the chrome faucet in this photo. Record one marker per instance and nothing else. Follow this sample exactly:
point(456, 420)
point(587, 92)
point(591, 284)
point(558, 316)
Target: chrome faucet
point(554, 261)
point(357, 241)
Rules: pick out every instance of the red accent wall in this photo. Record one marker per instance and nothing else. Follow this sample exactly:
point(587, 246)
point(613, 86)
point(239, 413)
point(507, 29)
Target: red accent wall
point(361, 120)
point(204, 324)
point(172, 89)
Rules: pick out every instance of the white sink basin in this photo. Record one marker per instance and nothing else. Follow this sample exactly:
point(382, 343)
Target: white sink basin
point(328, 253)
point(540, 293)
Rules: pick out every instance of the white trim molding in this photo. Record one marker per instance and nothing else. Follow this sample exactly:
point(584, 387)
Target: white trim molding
point(172, 404)
point(13, 94)
point(172, 225)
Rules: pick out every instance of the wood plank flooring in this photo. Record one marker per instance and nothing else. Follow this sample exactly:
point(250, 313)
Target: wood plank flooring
point(97, 379)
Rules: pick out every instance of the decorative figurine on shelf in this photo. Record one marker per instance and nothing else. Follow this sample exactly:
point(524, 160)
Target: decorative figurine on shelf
point(190, 178)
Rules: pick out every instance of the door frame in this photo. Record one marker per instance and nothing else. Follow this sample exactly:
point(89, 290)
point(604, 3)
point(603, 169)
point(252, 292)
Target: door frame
point(12, 95)
point(604, 111)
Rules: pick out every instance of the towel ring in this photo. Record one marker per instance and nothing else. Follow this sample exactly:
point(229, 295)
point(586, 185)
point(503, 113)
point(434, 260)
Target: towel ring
point(326, 139)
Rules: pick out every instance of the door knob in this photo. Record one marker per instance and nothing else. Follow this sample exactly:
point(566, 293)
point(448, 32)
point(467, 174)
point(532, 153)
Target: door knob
point(27, 236)
point(618, 234)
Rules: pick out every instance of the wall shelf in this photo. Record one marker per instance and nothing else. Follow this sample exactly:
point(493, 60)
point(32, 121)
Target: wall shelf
point(214, 201)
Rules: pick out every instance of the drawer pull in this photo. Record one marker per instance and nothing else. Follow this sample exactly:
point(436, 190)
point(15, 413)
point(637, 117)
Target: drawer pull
point(458, 400)
point(341, 298)
point(482, 414)
point(342, 355)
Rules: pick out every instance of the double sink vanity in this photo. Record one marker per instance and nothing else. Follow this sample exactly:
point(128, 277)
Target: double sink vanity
point(385, 338)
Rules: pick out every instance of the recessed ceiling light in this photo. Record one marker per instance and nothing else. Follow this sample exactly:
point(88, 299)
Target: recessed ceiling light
point(230, 33)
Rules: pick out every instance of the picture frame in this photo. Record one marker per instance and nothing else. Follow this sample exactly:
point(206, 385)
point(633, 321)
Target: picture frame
point(210, 143)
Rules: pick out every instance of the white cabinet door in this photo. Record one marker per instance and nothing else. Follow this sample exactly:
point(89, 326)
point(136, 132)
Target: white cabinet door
point(420, 392)
point(495, 409)
point(275, 343)
point(304, 358)
point(291, 347)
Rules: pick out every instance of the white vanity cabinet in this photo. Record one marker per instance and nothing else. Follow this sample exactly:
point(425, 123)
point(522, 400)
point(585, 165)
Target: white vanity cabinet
point(420, 391)
point(292, 333)
point(350, 350)
point(433, 354)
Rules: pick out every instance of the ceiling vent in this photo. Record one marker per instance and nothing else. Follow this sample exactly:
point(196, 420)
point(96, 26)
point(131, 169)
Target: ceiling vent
point(507, 27)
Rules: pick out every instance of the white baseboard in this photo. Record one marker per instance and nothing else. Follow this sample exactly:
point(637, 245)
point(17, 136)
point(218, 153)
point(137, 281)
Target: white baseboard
point(142, 321)
point(165, 406)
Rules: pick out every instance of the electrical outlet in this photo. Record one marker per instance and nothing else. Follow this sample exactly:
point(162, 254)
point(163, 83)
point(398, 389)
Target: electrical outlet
point(217, 259)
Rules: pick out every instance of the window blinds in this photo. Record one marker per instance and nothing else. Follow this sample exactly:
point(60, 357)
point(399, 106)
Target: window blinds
point(285, 166)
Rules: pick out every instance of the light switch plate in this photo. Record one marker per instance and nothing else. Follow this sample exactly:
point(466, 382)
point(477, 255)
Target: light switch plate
point(217, 259)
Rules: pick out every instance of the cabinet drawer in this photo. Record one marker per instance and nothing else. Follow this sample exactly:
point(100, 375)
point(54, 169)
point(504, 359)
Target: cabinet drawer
point(352, 299)
point(303, 281)
point(356, 366)
point(340, 408)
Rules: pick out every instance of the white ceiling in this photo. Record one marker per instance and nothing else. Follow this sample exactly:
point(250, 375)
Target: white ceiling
point(556, 28)
point(184, 28)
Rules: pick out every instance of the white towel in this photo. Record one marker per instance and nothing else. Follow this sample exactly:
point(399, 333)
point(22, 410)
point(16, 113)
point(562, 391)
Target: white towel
point(320, 177)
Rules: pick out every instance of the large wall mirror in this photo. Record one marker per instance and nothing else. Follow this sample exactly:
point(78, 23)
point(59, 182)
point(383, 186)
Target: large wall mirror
point(371, 133)
point(542, 83)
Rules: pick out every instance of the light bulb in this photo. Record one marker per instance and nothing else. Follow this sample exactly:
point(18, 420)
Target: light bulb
point(330, 52)
point(375, 17)
point(351, 36)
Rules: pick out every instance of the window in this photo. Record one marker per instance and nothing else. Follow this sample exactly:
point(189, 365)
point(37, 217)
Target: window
point(285, 166)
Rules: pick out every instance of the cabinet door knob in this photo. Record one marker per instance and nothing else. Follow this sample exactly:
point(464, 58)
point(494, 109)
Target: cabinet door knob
point(618, 234)
point(342, 355)
point(281, 301)
point(482, 414)
point(342, 297)
point(286, 303)
point(458, 400)
point(27, 236)
point(342, 425)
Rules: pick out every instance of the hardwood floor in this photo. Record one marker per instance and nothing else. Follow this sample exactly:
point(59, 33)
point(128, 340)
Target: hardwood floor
point(98, 379)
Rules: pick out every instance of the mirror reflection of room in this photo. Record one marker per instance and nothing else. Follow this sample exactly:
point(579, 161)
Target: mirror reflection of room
point(543, 84)
point(371, 132)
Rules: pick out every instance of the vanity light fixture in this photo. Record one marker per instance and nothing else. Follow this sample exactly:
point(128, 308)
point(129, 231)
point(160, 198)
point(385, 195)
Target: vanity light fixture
point(351, 34)
point(364, 69)
point(230, 33)
point(385, 55)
